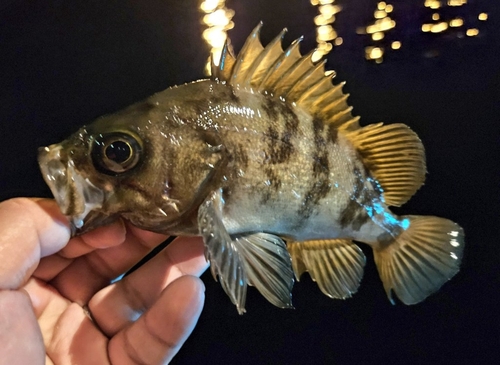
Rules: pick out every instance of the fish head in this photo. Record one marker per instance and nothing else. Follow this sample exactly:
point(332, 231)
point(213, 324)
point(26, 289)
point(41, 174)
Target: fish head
point(147, 164)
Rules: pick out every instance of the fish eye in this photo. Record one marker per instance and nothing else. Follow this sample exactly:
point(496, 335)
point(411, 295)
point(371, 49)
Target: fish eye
point(115, 153)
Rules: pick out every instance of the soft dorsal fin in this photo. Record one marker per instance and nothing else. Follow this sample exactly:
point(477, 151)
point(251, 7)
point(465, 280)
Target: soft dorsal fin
point(287, 75)
point(395, 156)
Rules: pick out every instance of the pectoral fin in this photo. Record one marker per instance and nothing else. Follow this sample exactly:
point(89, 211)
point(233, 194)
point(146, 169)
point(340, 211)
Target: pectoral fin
point(258, 259)
point(336, 265)
point(223, 255)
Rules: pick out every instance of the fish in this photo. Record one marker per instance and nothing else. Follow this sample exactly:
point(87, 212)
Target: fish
point(266, 162)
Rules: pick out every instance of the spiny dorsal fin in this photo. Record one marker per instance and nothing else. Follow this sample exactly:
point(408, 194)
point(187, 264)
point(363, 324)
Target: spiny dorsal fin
point(222, 70)
point(395, 156)
point(286, 75)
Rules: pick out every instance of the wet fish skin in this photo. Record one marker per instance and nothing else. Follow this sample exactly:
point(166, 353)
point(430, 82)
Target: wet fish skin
point(266, 150)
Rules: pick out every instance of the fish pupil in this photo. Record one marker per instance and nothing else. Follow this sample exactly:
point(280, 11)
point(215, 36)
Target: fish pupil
point(118, 151)
point(115, 153)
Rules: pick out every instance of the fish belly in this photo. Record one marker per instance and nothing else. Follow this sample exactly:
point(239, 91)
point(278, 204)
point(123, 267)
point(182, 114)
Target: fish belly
point(296, 177)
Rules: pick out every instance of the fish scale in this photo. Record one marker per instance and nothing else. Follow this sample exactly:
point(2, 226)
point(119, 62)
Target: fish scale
point(266, 151)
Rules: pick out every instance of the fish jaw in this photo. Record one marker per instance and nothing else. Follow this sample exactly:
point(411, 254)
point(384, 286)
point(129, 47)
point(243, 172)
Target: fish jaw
point(75, 194)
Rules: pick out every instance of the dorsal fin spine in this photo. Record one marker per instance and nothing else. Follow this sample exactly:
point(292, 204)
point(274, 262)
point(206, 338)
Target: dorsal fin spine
point(323, 82)
point(226, 63)
point(333, 108)
point(254, 37)
point(339, 118)
point(267, 50)
point(287, 76)
point(288, 79)
point(279, 64)
point(304, 78)
point(323, 100)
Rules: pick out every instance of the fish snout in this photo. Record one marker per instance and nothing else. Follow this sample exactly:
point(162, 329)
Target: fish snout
point(74, 193)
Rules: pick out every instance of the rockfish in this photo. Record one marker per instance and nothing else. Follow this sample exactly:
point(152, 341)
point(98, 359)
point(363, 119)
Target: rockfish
point(264, 152)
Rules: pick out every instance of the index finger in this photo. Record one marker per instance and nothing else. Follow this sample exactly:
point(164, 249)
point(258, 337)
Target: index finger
point(30, 229)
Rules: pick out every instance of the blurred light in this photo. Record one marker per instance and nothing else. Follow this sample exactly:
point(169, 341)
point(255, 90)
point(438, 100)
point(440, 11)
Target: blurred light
point(374, 53)
point(457, 22)
point(381, 5)
point(378, 36)
point(433, 4)
point(483, 16)
point(439, 27)
point(218, 22)
point(426, 27)
point(435, 16)
point(396, 45)
point(325, 33)
point(209, 6)
point(338, 41)
point(472, 32)
point(381, 25)
point(457, 2)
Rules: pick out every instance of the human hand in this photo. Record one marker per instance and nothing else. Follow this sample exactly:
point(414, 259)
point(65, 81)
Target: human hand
point(47, 282)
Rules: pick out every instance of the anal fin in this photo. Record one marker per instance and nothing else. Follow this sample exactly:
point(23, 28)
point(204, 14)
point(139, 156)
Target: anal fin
point(335, 265)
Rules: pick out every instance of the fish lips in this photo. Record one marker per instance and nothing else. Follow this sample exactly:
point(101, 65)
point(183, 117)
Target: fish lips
point(74, 193)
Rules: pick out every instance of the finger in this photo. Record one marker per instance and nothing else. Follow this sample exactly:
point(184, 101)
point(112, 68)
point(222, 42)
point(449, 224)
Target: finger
point(102, 237)
point(117, 305)
point(31, 229)
point(75, 339)
point(158, 335)
point(69, 335)
point(87, 274)
point(20, 335)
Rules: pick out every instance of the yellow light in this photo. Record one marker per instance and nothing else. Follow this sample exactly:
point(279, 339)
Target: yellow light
point(381, 25)
point(389, 8)
point(338, 41)
point(426, 27)
point(373, 53)
point(215, 36)
point(433, 4)
point(321, 2)
point(326, 33)
point(396, 45)
point(435, 16)
point(378, 36)
point(472, 32)
point(483, 16)
point(218, 20)
point(329, 10)
point(457, 22)
point(381, 5)
point(457, 2)
point(439, 27)
point(379, 14)
point(321, 19)
point(209, 6)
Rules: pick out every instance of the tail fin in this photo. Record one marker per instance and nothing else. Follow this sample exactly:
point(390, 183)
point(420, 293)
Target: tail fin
point(421, 259)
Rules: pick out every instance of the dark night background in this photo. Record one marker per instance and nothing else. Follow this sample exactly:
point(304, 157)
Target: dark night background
point(64, 63)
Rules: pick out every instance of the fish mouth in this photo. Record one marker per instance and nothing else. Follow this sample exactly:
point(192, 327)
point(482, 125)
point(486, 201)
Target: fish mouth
point(74, 193)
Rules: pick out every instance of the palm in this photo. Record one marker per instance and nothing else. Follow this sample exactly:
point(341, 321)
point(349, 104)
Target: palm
point(143, 318)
